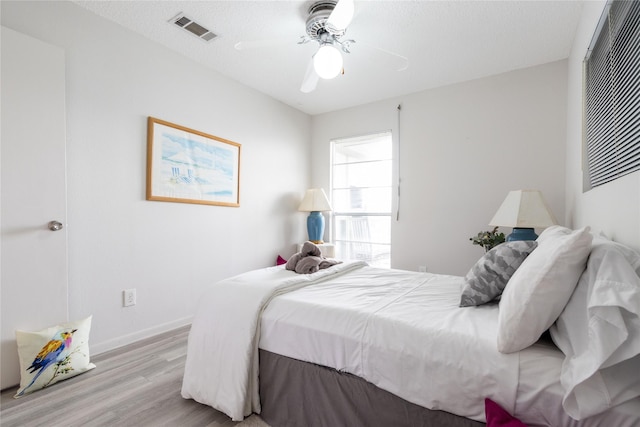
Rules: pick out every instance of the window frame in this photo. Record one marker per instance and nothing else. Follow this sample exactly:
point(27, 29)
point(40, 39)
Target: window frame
point(336, 214)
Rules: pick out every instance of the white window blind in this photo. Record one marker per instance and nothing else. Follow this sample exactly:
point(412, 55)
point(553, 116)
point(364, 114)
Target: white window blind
point(612, 94)
point(361, 198)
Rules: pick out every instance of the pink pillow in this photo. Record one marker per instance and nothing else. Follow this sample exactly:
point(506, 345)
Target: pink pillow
point(498, 417)
point(280, 260)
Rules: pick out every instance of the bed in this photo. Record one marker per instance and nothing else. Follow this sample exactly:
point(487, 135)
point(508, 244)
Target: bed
point(355, 345)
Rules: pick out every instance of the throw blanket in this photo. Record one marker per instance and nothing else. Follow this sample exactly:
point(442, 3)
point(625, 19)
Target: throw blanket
point(222, 354)
point(309, 260)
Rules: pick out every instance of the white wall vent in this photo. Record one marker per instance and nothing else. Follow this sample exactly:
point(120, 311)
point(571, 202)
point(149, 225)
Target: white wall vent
point(193, 27)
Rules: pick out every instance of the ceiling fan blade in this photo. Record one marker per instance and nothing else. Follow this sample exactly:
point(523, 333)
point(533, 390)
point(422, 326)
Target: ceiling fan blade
point(310, 80)
point(341, 15)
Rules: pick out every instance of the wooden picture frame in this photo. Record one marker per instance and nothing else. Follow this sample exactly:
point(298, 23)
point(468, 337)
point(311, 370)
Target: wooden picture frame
point(189, 166)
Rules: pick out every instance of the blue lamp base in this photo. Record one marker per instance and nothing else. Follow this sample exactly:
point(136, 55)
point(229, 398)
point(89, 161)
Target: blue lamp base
point(522, 234)
point(315, 227)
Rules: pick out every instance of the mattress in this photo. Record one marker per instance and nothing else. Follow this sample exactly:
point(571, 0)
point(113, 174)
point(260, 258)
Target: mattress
point(400, 331)
point(405, 333)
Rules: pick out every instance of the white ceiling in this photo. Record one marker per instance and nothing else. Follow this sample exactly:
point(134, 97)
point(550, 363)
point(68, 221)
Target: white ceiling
point(445, 42)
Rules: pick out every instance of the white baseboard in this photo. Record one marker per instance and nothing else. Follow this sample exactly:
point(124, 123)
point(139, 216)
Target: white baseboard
point(139, 335)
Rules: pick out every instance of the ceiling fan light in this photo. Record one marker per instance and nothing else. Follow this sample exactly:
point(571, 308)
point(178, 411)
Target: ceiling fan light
point(327, 62)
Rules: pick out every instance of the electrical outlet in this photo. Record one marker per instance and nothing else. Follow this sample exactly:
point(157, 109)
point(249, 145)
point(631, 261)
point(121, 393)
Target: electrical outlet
point(422, 268)
point(128, 297)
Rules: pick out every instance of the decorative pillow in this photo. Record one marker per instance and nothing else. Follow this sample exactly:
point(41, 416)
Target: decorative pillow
point(538, 291)
point(52, 355)
point(498, 417)
point(488, 277)
point(280, 260)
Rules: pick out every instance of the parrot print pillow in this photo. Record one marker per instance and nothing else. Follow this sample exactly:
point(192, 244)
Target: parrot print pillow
point(52, 355)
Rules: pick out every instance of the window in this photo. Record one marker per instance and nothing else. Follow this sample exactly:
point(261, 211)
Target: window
point(612, 94)
point(361, 198)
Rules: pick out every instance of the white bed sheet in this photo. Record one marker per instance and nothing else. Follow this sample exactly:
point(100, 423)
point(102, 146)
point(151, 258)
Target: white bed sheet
point(401, 331)
point(398, 331)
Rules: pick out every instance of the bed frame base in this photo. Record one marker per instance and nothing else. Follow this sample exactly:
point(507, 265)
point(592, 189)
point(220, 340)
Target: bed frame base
point(295, 394)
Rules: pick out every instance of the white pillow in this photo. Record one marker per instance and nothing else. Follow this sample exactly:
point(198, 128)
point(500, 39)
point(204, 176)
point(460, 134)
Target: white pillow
point(53, 354)
point(630, 255)
point(599, 333)
point(553, 232)
point(538, 291)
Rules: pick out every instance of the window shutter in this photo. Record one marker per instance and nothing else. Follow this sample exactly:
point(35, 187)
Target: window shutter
point(612, 94)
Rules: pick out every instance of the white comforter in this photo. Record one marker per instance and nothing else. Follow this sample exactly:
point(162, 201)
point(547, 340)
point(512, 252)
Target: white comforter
point(222, 354)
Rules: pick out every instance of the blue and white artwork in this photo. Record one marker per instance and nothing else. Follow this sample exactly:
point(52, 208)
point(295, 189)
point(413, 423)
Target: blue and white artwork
point(193, 167)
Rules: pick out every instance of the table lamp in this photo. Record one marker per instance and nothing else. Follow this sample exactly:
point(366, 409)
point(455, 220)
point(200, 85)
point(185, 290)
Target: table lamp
point(315, 201)
point(523, 210)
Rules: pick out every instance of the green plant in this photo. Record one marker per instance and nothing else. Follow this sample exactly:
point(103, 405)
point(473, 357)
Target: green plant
point(488, 239)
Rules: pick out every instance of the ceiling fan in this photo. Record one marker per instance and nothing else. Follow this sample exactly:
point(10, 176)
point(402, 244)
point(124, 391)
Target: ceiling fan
point(327, 25)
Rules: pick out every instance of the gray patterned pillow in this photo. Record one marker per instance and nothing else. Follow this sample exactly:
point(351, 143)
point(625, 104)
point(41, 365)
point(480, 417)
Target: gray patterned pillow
point(488, 277)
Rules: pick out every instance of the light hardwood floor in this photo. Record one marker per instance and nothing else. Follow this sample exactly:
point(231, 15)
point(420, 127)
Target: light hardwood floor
point(136, 385)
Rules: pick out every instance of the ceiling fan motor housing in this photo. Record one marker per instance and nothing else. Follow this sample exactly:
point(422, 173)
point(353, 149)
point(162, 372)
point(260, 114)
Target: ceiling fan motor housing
point(319, 12)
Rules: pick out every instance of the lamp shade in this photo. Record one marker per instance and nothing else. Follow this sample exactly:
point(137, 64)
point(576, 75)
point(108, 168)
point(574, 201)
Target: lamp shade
point(315, 200)
point(524, 209)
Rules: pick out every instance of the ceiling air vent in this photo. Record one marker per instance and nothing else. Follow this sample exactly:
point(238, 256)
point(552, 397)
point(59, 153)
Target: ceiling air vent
point(194, 28)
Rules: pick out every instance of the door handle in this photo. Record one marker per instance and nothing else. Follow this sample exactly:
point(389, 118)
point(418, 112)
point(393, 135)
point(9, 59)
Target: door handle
point(55, 225)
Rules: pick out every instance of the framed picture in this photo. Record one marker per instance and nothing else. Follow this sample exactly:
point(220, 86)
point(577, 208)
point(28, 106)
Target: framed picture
point(188, 166)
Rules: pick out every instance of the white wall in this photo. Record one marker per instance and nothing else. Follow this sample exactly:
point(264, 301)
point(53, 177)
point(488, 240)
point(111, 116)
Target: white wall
point(169, 252)
point(462, 149)
point(613, 208)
